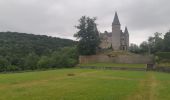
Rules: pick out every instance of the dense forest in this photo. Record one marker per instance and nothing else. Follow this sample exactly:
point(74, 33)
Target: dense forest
point(21, 51)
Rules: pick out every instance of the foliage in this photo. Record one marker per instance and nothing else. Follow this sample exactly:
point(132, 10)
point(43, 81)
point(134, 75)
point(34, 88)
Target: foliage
point(67, 57)
point(154, 44)
point(3, 64)
point(44, 63)
point(163, 55)
point(167, 42)
point(134, 48)
point(144, 47)
point(31, 61)
point(88, 36)
point(21, 51)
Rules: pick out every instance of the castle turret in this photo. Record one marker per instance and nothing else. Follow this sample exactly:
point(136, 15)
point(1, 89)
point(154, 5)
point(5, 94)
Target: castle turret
point(116, 32)
point(116, 20)
point(126, 31)
point(126, 37)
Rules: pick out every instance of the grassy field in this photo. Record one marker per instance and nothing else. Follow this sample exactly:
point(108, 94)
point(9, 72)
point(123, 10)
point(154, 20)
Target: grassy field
point(114, 65)
point(85, 84)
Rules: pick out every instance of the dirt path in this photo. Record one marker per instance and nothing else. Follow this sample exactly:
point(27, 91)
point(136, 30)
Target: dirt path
point(146, 89)
point(153, 84)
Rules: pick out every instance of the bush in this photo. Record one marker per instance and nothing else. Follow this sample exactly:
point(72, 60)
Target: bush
point(44, 63)
point(3, 64)
point(163, 55)
point(66, 57)
point(31, 61)
point(12, 68)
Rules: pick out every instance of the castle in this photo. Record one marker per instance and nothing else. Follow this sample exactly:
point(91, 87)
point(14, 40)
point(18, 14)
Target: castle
point(116, 40)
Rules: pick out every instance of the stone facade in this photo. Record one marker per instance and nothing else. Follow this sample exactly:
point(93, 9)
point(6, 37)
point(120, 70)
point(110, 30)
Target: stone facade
point(117, 40)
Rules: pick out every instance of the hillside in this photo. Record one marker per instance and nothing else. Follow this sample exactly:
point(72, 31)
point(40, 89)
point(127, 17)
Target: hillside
point(21, 51)
point(22, 43)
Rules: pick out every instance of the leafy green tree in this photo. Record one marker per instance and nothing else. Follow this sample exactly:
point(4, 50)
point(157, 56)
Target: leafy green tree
point(158, 42)
point(144, 47)
point(134, 48)
point(31, 61)
point(167, 42)
point(66, 57)
point(44, 62)
point(3, 64)
point(88, 36)
point(12, 68)
point(155, 43)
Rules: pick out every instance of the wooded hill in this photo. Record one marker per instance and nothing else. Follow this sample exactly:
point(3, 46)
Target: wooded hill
point(14, 43)
point(16, 47)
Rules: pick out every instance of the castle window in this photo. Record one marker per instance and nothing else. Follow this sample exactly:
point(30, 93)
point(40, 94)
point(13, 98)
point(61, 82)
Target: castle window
point(123, 48)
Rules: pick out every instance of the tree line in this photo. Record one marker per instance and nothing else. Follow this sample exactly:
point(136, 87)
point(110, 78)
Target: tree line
point(21, 51)
point(154, 44)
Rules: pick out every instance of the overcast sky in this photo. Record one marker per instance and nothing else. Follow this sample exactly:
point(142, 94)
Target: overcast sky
point(58, 17)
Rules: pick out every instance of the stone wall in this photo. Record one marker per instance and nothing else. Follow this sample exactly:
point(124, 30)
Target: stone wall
point(129, 59)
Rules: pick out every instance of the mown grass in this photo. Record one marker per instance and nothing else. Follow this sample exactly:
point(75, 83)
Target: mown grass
point(85, 84)
point(113, 65)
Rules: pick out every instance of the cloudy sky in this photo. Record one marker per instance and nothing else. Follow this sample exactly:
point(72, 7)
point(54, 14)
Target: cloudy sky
point(58, 17)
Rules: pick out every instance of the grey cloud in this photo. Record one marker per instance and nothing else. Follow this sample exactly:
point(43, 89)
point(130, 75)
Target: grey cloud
point(58, 17)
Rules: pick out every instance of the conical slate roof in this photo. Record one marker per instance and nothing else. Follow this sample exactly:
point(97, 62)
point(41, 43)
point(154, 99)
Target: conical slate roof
point(126, 31)
point(116, 20)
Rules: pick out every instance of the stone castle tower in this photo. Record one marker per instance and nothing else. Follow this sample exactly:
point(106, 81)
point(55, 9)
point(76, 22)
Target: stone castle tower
point(117, 40)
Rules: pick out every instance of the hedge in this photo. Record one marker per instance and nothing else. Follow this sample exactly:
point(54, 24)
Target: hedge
point(163, 55)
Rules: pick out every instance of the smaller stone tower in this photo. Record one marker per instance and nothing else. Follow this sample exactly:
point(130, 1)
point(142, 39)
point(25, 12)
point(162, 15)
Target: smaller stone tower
point(127, 37)
point(124, 40)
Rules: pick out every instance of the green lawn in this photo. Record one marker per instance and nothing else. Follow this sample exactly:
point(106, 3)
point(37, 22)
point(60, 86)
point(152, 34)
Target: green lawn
point(113, 65)
point(85, 84)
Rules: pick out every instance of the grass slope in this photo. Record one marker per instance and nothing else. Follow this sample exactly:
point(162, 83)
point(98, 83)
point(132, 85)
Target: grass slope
point(78, 84)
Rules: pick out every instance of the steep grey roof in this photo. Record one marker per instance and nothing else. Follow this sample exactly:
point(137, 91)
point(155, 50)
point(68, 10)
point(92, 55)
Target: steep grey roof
point(126, 31)
point(116, 20)
point(108, 34)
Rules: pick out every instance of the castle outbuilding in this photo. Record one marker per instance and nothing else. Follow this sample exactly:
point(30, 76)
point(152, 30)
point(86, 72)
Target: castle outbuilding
point(116, 40)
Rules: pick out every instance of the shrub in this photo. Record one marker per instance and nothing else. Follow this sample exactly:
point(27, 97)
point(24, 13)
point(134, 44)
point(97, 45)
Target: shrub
point(44, 63)
point(163, 55)
point(12, 68)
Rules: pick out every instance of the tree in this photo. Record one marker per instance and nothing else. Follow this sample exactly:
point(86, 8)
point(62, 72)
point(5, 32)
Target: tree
point(31, 61)
point(134, 48)
point(3, 64)
point(158, 42)
point(44, 62)
point(155, 43)
point(167, 42)
point(88, 36)
point(67, 57)
point(144, 47)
